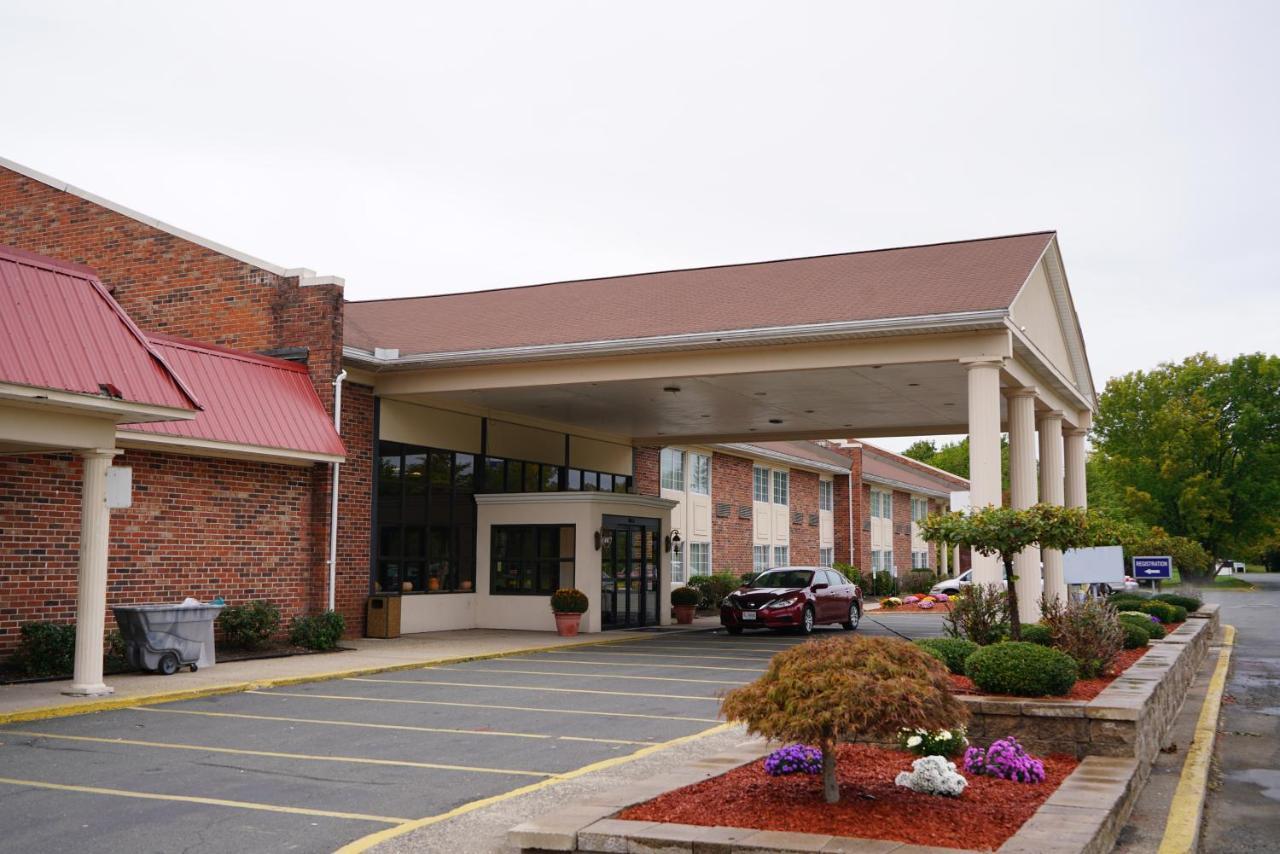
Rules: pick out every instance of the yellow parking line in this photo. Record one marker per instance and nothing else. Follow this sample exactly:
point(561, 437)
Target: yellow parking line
point(676, 655)
point(377, 838)
point(643, 664)
point(215, 802)
point(590, 675)
point(531, 688)
point(486, 706)
point(406, 727)
point(1182, 829)
point(275, 755)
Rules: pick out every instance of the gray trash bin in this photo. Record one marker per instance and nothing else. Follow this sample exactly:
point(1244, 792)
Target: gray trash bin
point(166, 637)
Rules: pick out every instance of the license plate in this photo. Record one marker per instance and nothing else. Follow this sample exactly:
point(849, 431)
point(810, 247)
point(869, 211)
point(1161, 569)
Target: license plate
point(748, 615)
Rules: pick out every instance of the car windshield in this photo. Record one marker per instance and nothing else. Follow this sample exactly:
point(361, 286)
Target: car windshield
point(783, 578)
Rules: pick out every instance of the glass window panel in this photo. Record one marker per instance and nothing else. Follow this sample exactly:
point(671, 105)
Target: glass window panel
point(759, 558)
point(781, 487)
point(494, 468)
point(760, 481)
point(464, 472)
point(389, 474)
point(415, 473)
point(700, 474)
point(551, 478)
point(590, 481)
point(672, 469)
point(825, 495)
point(531, 559)
point(515, 476)
point(621, 484)
point(532, 478)
point(781, 555)
point(389, 542)
point(677, 568)
point(575, 480)
point(605, 482)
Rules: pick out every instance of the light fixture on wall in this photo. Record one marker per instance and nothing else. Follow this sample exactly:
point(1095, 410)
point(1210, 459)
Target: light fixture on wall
point(673, 541)
point(604, 538)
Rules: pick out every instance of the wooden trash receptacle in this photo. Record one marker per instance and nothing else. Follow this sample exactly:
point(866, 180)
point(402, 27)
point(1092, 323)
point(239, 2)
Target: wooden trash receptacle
point(382, 616)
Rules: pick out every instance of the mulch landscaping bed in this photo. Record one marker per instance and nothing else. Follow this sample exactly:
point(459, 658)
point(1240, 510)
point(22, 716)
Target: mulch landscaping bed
point(871, 805)
point(938, 608)
point(1084, 689)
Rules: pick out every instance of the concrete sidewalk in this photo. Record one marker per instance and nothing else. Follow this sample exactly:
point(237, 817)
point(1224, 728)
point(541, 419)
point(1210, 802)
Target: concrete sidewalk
point(364, 655)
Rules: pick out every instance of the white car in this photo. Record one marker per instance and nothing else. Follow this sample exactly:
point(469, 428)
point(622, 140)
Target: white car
point(952, 586)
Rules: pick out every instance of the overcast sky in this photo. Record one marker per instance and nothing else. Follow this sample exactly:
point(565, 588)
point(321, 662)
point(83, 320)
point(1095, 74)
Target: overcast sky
point(430, 147)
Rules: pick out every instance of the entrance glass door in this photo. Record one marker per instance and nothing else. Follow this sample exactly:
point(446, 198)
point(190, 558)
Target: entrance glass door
point(629, 573)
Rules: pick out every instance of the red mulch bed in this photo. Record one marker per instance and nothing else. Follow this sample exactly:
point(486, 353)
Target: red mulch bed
point(871, 805)
point(938, 608)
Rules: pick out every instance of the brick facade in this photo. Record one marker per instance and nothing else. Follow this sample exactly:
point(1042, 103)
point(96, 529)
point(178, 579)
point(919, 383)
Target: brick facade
point(803, 510)
point(731, 536)
point(646, 469)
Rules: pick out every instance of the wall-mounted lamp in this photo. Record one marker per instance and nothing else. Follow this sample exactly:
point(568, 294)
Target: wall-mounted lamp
point(604, 538)
point(673, 541)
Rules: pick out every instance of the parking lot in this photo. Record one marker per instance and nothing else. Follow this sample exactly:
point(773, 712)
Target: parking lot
point(314, 766)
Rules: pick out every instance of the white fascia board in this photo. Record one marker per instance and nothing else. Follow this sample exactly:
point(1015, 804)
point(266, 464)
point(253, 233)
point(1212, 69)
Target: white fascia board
point(910, 461)
point(92, 404)
point(748, 450)
point(585, 496)
point(958, 321)
point(904, 486)
point(227, 450)
point(305, 277)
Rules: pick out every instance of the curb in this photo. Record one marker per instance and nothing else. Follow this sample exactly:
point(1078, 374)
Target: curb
point(1182, 830)
point(112, 703)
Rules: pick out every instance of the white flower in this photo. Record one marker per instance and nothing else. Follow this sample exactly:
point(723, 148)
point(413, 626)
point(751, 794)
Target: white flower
point(945, 735)
point(933, 775)
point(914, 741)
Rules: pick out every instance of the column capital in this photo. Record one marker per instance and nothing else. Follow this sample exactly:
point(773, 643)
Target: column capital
point(1049, 415)
point(1074, 431)
point(1022, 391)
point(100, 452)
point(972, 362)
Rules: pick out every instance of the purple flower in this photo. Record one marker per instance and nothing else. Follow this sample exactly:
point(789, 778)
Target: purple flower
point(1154, 619)
point(1006, 760)
point(926, 605)
point(793, 759)
point(911, 600)
point(942, 597)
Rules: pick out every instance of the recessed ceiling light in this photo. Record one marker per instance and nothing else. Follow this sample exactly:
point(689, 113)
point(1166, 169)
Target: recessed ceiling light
point(808, 412)
point(775, 420)
point(761, 393)
point(914, 385)
point(876, 367)
point(704, 416)
point(671, 388)
point(948, 404)
point(848, 425)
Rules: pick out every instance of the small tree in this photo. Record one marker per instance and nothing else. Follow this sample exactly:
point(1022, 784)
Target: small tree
point(826, 692)
point(1005, 531)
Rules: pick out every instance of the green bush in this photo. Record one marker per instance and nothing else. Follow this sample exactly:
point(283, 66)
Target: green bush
point(878, 583)
point(1127, 601)
point(1038, 634)
point(980, 615)
point(918, 581)
point(569, 600)
point(1021, 669)
point(1135, 636)
point(1161, 610)
point(1191, 603)
point(714, 588)
point(46, 649)
point(1154, 631)
point(685, 596)
point(249, 626)
point(318, 632)
point(1089, 632)
point(950, 651)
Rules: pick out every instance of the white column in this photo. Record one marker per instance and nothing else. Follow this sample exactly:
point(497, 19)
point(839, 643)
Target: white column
point(1051, 493)
point(1077, 489)
point(91, 595)
point(1022, 494)
point(942, 552)
point(984, 452)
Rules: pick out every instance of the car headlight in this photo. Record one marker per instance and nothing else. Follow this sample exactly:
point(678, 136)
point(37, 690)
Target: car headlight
point(783, 602)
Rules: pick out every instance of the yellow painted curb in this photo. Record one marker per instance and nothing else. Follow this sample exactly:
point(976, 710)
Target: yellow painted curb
point(367, 842)
point(1182, 830)
point(106, 704)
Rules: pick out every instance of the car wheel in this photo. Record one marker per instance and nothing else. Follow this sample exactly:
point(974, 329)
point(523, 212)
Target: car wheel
point(806, 622)
point(855, 617)
point(733, 630)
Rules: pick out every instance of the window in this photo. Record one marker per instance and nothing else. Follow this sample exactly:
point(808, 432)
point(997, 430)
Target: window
point(760, 482)
point(533, 560)
point(920, 560)
point(781, 555)
point(781, 487)
point(759, 558)
point(881, 560)
point(881, 504)
point(826, 556)
point(673, 469)
point(919, 509)
point(677, 567)
point(700, 474)
point(699, 558)
point(825, 495)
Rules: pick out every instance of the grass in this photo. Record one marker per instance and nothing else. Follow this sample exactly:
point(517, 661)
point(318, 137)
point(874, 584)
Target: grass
point(1230, 582)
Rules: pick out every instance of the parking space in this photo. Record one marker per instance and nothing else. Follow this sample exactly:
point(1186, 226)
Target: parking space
point(310, 767)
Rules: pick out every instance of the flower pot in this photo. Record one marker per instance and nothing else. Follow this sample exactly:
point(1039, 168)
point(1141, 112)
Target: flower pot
point(406, 587)
point(433, 583)
point(684, 613)
point(567, 624)
point(464, 585)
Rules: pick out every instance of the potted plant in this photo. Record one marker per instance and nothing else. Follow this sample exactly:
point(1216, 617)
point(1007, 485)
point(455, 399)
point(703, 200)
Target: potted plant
point(568, 604)
point(685, 601)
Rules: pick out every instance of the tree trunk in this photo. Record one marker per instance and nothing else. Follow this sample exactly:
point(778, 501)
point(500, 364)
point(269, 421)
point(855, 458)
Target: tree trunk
point(1015, 625)
point(830, 786)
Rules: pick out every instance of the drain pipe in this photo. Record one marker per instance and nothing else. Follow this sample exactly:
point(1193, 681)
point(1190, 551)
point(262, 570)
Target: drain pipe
point(333, 506)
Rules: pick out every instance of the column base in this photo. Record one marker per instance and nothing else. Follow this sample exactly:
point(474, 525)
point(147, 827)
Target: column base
point(96, 690)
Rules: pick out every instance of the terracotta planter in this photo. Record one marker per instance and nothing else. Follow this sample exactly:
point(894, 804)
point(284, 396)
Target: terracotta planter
point(567, 624)
point(684, 613)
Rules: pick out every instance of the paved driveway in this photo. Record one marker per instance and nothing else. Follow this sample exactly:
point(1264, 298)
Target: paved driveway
point(311, 767)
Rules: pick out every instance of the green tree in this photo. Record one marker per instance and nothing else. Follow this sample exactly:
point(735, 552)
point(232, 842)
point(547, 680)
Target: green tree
point(1194, 448)
point(954, 456)
point(1005, 531)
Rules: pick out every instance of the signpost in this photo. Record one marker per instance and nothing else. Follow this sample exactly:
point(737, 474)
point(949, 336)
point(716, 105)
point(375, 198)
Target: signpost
point(1153, 569)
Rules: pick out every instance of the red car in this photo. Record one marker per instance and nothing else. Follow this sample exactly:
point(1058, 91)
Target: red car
point(793, 597)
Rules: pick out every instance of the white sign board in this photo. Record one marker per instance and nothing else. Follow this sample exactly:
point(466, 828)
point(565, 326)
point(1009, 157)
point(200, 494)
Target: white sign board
point(119, 487)
point(1102, 565)
point(959, 501)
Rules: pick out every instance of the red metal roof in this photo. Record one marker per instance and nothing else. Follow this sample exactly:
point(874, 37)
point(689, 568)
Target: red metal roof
point(913, 281)
point(878, 462)
point(61, 330)
point(248, 400)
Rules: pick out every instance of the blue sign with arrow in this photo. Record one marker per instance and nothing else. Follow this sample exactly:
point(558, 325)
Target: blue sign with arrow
point(1153, 568)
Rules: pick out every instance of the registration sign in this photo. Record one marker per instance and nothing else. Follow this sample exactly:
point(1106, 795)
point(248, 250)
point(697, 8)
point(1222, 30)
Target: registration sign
point(1154, 568)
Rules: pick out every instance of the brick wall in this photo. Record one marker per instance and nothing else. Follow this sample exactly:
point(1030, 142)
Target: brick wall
point(646, 468)
point(804, 506)
point(731, 536)
point(198, 527)
point(902, 531)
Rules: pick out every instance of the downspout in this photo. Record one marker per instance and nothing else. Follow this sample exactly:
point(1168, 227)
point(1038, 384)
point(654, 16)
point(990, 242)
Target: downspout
point(850, 490)
point(333, 492)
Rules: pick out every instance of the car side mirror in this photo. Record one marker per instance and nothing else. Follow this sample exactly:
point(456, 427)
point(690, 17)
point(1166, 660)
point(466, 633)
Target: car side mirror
point(821, 585)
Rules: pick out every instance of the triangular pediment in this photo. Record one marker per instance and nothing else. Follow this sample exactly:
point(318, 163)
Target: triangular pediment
point(1044, 314)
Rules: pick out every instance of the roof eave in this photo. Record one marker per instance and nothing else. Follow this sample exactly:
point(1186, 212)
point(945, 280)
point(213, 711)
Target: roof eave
point(91, 404)
point(749, 450)
point(215, 448)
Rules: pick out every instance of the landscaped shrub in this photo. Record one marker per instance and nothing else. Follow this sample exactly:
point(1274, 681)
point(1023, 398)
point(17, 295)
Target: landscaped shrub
point(919, 582)
point(1154, 630)
point(793, 759)
point(878, 584)
point(943, 742)
point(249, 626)
point(826, 692)
point(933, 775)
point(46, 649)
point(714, 588)
point(1135, 636)
point(980, 615)
point(1022, 669)
point(1126, 601)
point(686, 596)
point(1088, 631)
point(569, 600)
point(1005, 759)
point(1037, 633)
point(1191, 603)
point(1162, 611)
point(319, 631)
point(950, 651)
